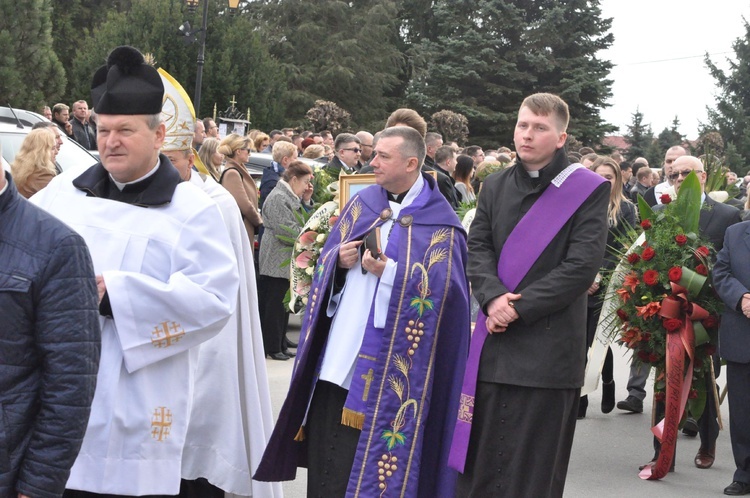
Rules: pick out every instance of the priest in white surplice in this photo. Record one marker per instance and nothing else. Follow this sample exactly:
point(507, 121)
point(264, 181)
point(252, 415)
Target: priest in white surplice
point(167, 278)
point(231, 386)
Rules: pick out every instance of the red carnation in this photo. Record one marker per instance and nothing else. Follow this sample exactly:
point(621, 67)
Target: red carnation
point(701, 269)
point(672, 324)
point(702, 252)
point(675, 274)
point(623, 316)
point(665, 198)
point(711, 322)
point(680, 239)
point(633, 258)
point(646, 224)
point(651, 277)
point(648, 253)
point(660, 396)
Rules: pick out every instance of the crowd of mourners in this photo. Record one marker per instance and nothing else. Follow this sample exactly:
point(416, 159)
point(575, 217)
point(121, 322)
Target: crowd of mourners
point(147, 314)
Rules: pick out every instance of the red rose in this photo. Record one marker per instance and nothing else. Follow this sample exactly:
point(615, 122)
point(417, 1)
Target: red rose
point(665, 198)
point(651, 277)
point(633, 258)
point(711, 322)
point(653, 357)
point(646, 224)
point(648, 253)
point(643, 355)
point(623, 316)
point(693, 394)
point(701, 269)
point(675, 274)
point(710, 349)
point(680, 239)
point(672, 324)
point(660, 396)
point(702, 252)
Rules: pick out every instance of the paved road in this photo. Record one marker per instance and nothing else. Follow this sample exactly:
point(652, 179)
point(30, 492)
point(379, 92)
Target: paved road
point(606, 451)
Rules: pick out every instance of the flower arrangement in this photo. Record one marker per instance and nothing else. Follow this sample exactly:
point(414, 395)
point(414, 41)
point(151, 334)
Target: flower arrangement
point(662, 288)
point(306, 251)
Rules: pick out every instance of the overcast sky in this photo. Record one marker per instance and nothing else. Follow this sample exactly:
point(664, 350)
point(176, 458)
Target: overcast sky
point(658, 56)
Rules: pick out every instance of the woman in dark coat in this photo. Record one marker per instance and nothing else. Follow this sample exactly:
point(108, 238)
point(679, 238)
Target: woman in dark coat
point(621, 216)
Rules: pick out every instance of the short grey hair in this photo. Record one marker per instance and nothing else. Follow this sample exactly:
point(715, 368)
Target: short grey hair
point(345, 138)
point(153, 121)
point(413, 144)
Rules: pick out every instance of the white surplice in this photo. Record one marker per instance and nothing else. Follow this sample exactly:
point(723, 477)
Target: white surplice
point(172, 282)
point(231, 419)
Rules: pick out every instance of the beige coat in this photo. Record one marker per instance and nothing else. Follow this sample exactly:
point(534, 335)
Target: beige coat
point(241, 185)
point(35, 182)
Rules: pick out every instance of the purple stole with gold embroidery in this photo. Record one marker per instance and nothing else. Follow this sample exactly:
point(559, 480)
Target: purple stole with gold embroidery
point(530, 237)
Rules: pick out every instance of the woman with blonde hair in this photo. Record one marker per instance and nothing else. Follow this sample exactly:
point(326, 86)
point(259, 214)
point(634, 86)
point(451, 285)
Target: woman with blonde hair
point(210, 156)
point(314, 151)
point(261, 141)
point(34, 167)
point(621, 216)
point(238, 182)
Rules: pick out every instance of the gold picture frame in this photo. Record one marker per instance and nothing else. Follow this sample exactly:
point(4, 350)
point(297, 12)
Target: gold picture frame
point(349, 185)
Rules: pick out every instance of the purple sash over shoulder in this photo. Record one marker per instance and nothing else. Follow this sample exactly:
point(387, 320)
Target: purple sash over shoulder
point(522, 248)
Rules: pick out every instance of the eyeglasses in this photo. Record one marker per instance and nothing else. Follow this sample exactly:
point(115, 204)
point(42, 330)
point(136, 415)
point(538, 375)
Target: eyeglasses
point(677, 174)
point(246, 149)
point(356, 150)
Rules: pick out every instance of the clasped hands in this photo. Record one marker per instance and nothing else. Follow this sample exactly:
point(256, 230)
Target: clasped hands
point(501, 312)
point(349, 254)
point(746, 305)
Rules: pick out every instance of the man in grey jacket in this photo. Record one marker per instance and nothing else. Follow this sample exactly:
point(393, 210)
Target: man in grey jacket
point(50, 347)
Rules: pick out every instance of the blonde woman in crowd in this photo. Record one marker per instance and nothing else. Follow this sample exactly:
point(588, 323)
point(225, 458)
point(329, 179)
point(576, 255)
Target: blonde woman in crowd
point(314, 151)
point(210, 156)
point(239, 183)
point(34, 167)
point(261, 141)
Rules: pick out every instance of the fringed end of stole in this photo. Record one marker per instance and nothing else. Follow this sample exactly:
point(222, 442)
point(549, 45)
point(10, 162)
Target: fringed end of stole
point(353, 419)
point(300, 434)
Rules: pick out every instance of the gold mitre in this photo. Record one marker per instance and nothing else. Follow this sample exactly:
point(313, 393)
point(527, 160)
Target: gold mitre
point(178, 115)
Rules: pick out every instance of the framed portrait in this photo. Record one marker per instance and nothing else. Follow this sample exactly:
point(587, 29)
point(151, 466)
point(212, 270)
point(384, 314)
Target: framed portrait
point(349, 185)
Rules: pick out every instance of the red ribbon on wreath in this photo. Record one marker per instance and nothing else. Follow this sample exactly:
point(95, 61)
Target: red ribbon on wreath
point(681, 341)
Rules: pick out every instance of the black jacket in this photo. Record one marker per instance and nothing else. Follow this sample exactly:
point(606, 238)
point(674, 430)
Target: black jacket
point(49, 355)
point(84, 134)
point(546, 347)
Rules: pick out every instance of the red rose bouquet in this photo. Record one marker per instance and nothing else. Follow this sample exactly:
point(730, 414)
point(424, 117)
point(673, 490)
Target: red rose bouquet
point(662, 305)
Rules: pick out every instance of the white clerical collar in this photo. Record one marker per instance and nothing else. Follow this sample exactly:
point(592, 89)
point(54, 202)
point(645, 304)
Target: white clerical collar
point(533, 173)
point(153, 170)
point(414, 191)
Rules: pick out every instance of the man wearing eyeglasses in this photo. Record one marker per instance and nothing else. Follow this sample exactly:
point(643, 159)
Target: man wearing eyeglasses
point(366, 142)
point(212, 131)
point(653, 195)
point(348, 150)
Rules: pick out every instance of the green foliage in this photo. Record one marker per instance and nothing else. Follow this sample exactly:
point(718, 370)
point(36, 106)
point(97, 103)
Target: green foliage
point(486, 56)
point(731, 115)
point(325, 115)
point(31, 73)
point(454, 127)
point(639, 136)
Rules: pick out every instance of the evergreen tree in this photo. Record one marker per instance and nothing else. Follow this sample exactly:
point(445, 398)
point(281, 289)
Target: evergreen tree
point(483, 69)
point(31, 74)
point(639, 137)
point(731, 116)
point(236, 62)
point(336, 51)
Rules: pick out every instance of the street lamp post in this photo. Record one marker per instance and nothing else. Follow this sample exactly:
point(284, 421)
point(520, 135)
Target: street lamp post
point(192, 4)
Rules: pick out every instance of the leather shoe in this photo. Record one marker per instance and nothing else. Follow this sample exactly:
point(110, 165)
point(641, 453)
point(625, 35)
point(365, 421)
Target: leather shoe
point(690, 428)
point(290, 344)
point(631, 404)
point(289, 353)
point(278, 356)
point(608, 396)
point(737, 488)
point(705, 458)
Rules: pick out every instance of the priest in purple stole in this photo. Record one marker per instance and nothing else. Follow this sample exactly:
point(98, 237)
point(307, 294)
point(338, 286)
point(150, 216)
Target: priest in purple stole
point(372, 402)
point(535, 245)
